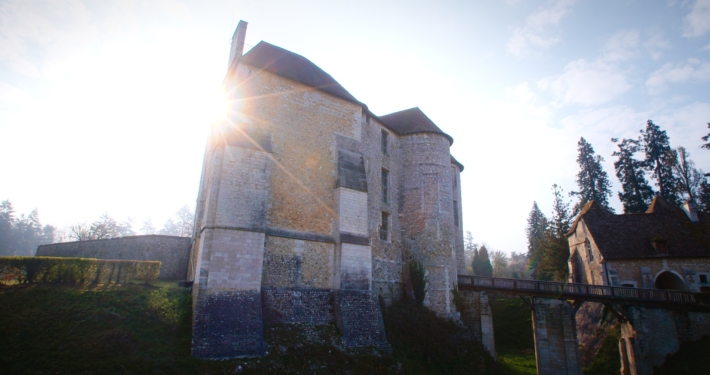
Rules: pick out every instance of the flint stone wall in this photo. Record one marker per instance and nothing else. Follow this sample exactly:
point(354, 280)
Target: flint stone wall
point(172, 252)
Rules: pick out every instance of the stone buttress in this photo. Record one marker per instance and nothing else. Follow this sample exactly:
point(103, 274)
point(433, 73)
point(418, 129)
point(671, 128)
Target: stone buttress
point(227, 315)
point(358, 314)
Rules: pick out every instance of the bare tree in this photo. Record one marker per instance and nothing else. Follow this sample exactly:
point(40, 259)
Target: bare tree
point(500, 264)
point(470, 248)
point(180, 224)
point(688, 178)
point(148, 227)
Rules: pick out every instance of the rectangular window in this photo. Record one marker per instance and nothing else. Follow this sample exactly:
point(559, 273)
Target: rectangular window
point(384, 226)
point(703, 279)
point(385, 185)
point(456, 213)
point(385, 135)
point(454, 178)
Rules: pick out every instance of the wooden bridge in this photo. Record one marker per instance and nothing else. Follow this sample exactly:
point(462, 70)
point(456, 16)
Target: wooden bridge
point(584, 292)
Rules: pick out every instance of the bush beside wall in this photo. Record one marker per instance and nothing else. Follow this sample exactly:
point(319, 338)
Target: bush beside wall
point(30, 270)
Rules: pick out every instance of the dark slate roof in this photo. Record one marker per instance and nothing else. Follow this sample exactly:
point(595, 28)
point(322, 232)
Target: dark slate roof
point(295, 67)
point(411, 121)
point(630, 236)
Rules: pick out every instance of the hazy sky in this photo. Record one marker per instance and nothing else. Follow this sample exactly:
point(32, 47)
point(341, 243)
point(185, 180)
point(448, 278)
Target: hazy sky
point(105, 105)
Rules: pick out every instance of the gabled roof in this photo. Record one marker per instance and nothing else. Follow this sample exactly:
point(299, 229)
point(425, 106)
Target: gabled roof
point(629, 236)
point(295, 67)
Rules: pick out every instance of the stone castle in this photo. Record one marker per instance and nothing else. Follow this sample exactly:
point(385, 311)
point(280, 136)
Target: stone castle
point(311, 207)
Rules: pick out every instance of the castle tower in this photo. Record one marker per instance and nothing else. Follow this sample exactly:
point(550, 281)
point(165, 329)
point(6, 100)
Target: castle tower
point(430, 205)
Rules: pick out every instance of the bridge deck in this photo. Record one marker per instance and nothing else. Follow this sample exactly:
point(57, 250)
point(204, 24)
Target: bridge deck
point(582, 292)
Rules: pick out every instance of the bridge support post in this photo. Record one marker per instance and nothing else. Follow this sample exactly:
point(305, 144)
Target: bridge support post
point(556, 345)
point(646, 339)
point(476, 315)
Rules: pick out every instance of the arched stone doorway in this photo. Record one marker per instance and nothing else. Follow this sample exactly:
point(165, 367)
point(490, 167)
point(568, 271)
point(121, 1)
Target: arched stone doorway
point(669, 280)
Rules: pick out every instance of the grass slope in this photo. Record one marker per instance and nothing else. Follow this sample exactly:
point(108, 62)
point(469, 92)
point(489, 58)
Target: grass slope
point(55, 329)
point(512, 327)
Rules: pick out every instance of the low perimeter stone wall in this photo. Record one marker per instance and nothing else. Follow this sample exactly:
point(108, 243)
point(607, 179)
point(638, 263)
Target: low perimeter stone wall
point(173, 252)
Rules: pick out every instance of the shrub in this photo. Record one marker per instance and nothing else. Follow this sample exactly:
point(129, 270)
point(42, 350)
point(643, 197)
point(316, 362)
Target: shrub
point(417, 275)
point(458, 299)
point(29, 270)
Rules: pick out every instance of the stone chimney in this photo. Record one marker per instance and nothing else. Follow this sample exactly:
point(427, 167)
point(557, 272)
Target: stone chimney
point(237, 43)
point(691, 210)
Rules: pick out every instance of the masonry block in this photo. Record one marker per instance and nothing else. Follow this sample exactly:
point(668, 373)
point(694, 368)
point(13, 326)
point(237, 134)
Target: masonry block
point(476, 316)
point(556, 346)
point(359, 318)
point(228, 325)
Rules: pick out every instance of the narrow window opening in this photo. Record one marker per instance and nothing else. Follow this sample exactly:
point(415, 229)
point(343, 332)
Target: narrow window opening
point(385, 135)
point(588, 247)
point(384, 226)
point(385, 185)
point(703, 279)
point(456, 213)
point(455, 183)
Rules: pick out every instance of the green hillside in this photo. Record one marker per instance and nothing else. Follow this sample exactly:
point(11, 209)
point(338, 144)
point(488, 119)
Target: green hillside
point(59, 329)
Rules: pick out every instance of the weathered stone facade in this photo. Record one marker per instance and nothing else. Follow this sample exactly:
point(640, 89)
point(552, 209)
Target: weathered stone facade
point(172, 252)
point(310, 207)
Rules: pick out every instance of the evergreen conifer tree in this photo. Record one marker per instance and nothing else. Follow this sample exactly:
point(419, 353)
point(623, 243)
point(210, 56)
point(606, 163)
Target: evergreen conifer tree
point(637, 194)
point(592, 180)
point(555, 248)
point(485, 266)
point(476, 262)
point(706, 138)
point(535, 232)
point(704, 196)
point(659, 160)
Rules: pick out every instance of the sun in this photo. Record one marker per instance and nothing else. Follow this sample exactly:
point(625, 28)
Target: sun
point(215, 106)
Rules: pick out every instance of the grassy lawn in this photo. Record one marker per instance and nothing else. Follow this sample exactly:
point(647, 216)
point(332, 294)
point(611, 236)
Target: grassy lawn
point(65, 329)
point(512, 327)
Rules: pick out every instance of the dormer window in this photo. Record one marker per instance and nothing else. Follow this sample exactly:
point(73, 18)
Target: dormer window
point(660, 246)
point(588, 249)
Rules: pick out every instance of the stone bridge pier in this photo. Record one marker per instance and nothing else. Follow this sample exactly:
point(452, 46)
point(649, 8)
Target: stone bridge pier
point(555, 331)
point(649, 335)
point(554, 327)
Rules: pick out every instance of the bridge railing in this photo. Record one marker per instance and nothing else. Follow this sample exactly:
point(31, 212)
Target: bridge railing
point(582, 290)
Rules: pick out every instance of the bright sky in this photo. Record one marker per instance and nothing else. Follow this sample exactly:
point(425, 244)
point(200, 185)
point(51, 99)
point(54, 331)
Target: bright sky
point(105, 105)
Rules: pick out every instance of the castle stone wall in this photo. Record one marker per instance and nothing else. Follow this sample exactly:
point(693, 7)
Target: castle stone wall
point(387, 255)
point(172, 252)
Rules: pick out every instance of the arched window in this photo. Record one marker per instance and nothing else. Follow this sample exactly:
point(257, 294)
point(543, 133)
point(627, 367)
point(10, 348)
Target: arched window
point(669, 280)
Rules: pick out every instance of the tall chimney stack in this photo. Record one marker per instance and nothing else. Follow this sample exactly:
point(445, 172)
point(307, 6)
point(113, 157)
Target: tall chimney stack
point(237, 43)
point(691, 210)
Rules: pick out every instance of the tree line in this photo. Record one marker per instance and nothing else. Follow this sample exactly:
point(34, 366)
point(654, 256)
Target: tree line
point(480, 261)
point(20, 235)
point(673, 173)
